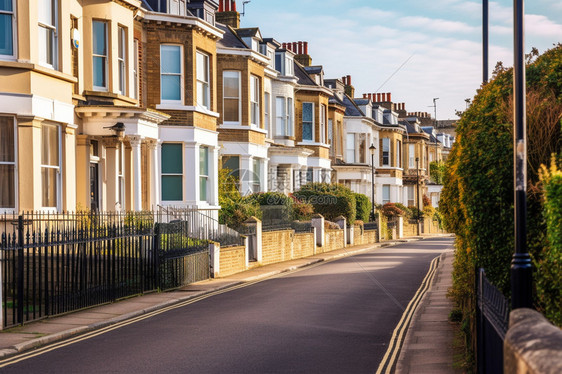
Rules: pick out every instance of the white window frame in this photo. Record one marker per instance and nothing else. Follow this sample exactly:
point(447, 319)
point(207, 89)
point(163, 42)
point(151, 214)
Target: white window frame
point(256, 175)
point(15, 164)
point(389, 157)
point(181, 75)
point(280, 116)
point(136, 69)
point(53, 30)
point(410, 191)
point(204, 176)
point(121, 177)
point(398, 153)
point(350, 154)
point(385, 187)
point(105, 57)
point(323, 116)
point(290, 130)
point(255, 100)
point(312, 122)
point(239, 98)
point(58, 169)
point(411, 156)
point(13, 14)
point(162, 174)
point(122, 58)
point(203, 87)
point(266, 113)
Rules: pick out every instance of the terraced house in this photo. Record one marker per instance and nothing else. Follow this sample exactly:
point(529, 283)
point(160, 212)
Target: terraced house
point(244, 105)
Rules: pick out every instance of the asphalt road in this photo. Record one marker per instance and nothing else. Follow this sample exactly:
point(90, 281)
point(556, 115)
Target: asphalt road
point(337, 317)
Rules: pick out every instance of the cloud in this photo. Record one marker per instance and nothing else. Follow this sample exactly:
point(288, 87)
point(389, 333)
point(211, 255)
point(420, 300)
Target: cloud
point(439, 25)
point(542, 26)
point(372, 13)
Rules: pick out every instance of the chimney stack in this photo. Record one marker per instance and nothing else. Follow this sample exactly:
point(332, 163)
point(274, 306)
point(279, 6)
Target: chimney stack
point(349, 80)
point(227, 14)
point(371, 97)
point(389, 97)
point(306, 48)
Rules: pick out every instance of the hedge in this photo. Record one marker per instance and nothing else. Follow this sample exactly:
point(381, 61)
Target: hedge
point(329, 200)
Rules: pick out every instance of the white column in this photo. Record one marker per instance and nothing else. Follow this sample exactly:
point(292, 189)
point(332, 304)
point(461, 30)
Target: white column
point(272, 177)
point(316, 175)
point(155, 147)
point(112, 168)
point(191, 173)
point(246, 174)
point(137, 176)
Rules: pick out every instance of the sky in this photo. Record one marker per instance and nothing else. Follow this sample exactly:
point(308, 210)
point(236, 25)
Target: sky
point(415, 49)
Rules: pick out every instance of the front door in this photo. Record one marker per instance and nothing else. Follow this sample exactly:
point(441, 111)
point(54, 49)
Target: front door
point(94, 188)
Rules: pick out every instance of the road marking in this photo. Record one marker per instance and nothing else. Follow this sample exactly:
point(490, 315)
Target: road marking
point(92, 334)
point(397, 338)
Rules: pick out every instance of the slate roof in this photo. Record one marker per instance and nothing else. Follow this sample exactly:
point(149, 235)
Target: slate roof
point(303, 77)
point(351, 108)
point(361, 101)
point(313, 69)
point(230, 39)
point(249, 32)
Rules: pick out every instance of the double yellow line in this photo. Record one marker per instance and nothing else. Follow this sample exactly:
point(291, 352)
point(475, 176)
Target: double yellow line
point(391, 355)
point(92, 334)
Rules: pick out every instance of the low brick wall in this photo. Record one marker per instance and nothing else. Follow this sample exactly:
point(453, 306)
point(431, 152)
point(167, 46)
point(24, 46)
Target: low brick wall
point(370, 236)
point(358, 237)
point(333, 239)
point(303, 245)
point(232, 260)
point(277, 246)
point(410, 229)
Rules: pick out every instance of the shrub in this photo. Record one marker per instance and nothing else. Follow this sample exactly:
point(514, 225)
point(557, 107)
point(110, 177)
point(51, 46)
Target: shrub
point(549, 267)
point(302, 211)
point(363, 207)
point(329, 200)
point(415, 213)
point(275, 206)
point(406, 212)
point(234, 208)
point(390, 210)
point(437, 171)
point(426, 201)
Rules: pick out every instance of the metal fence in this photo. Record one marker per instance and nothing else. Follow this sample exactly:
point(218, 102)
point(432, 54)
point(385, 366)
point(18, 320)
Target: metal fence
point(56, 263)
point(370, 226)
point(492, 322)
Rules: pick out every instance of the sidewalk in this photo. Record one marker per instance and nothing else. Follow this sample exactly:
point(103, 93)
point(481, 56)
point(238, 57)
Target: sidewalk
point(50, 330)
point(428, 346)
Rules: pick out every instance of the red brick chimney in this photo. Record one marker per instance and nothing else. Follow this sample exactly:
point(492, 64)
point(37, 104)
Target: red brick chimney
point(227, 14)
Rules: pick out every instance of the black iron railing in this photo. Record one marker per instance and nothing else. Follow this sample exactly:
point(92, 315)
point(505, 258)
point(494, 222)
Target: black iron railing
point(492, 322)
point(56, 263)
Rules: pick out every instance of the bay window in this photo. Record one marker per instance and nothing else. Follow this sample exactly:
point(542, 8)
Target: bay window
point(385, 193)
point(254, 100)
point(411, 196)
point(290, 116)
point(48, 34)
point(136, 69)
point(266, 111)
point(308, 122)
point(231, 97)
point(280, 116)
point(171, 69)
point(398, 153)
point(256, 175)
point(99, 55)
point(7, 163)
point(7, 27)
point(50, 166)
point(202, 67)
point(350, 148)
point(411, 156)
point(172, 172)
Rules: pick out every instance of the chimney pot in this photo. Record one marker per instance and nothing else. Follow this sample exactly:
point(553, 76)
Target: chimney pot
point(233, 5)
point(294, 47)
point(227, 5)
point(221, 5)
point(364, 96)
point(370, 96)
point(389, 97)
point(349, 80)
point(300, 48)
point(306, 48)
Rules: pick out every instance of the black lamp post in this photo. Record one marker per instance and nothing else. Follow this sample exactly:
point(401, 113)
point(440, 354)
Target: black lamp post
point(372, 148)
point(521, 268)
point(418, 193)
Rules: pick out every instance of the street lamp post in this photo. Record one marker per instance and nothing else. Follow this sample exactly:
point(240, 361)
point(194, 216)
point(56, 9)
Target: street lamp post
point(418, 193)
point(485, 26)
point(372, 148)
point(521, 269)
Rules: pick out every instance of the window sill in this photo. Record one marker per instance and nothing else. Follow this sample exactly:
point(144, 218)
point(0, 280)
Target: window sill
point(179, 106)
point(313, 144)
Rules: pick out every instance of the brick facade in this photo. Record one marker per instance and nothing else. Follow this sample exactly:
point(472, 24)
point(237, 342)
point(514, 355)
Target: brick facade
point(232, 260)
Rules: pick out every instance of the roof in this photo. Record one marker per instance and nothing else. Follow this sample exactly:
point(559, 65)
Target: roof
point(361, 101)
point(229, 39)
point(303, 77)
point(250, 32)
point(351, 108)
point(314, 69)
point(409, 126)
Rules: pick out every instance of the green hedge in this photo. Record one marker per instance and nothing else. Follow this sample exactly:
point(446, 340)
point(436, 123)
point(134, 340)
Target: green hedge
point(363, 207)
point(329, 200)
point(549, 290)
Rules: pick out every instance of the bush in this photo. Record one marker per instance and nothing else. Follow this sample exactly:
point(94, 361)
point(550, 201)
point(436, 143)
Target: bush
point(275, 206)
point(549, 292)
point(302, 211)
point(390, 210)
point(363, 207)
point(234, 208)
point(415, 213)
point(426, 201)
point(329, 200)
point(406, 212)
point(437, 171)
